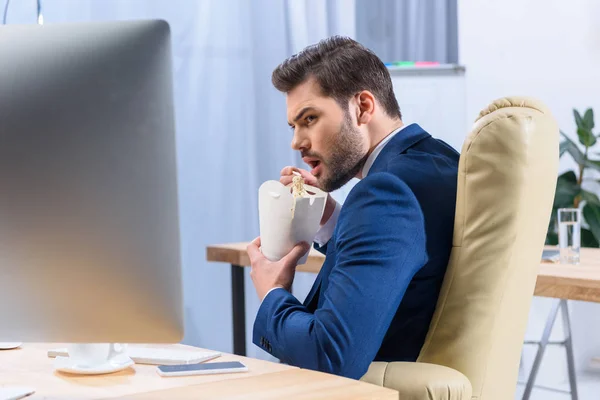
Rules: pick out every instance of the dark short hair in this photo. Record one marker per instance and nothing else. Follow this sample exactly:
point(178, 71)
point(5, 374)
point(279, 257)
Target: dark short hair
point(342, 67)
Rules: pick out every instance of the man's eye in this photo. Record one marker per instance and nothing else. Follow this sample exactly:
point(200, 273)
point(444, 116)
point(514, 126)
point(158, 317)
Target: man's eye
point(310, 118)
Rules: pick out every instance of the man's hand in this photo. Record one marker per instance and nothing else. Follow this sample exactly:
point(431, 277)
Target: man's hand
point(286, 179)
point(267, 275)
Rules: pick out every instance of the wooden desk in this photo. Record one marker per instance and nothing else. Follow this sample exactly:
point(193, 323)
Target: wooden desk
point(569, 282)
point(30, 366)
point(236, 255)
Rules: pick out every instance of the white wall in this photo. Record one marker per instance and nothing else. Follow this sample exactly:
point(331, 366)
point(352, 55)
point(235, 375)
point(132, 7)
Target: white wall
point(549, 49)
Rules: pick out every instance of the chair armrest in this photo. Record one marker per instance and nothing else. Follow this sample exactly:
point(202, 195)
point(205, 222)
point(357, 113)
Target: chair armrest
point(420, 381)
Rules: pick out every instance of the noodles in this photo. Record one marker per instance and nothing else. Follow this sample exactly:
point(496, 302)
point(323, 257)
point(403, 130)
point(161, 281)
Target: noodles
point(298, 190)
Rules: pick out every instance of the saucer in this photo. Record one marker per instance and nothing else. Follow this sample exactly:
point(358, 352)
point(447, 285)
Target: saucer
point(15, 392)
point(65, 364)
point(9, 345)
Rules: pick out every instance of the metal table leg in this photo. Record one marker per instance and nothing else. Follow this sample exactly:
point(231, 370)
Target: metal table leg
point(560, 304)
point(569, 348)
point(238, 304)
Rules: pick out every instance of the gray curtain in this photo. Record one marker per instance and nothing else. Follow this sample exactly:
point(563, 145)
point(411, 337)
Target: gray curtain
point(409, 30)
point(232, 131)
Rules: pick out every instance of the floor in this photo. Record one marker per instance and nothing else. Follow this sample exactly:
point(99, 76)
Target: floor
point(588, 386)
point(585, 324)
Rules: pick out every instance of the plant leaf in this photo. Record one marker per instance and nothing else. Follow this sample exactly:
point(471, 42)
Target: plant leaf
point(591, 213)
point(568, 176)
point(588, 119)
point(586, 137)
point(578, 119)
point(573, 150)
point(587, 239)
point(566, 190)
point(552, 224)
point(552, 238)
point(563, 148)
point(589, 197)
point(594, 164)
point(552, 234)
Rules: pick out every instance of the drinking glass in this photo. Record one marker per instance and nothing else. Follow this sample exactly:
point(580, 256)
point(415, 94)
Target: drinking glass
point(569, 235)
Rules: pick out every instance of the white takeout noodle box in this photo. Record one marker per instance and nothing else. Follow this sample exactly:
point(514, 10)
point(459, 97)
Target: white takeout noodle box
point(280, 231)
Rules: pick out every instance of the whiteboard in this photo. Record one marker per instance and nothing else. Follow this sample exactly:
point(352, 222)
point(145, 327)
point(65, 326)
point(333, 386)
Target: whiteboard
point(435, 98)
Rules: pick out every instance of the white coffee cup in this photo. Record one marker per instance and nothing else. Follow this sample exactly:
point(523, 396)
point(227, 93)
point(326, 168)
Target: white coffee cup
point(95, 354)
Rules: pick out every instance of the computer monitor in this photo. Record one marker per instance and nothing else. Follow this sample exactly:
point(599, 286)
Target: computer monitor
point(89, 233)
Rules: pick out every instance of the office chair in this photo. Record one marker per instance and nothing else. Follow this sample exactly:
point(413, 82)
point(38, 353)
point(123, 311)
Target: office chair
point(506, 183)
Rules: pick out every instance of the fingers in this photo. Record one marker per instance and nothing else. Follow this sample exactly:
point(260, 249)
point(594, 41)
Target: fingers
point(286, 179)
point(297, 252)
point(253, 250)
point(308, 177)
point(289, 171)
point(287, 176)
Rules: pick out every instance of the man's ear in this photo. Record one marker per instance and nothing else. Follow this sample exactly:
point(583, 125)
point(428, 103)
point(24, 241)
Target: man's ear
point(366, 107)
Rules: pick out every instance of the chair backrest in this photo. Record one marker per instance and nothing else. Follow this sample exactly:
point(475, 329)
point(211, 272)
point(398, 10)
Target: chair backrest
point(507, 178)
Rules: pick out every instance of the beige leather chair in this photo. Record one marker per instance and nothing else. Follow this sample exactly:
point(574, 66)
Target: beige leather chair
point(506, 182)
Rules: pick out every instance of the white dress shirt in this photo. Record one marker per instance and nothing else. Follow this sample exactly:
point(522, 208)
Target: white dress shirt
point(326, 230)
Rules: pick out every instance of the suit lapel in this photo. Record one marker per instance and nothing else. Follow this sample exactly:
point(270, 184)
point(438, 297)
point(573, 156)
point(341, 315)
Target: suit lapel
point(404, 139)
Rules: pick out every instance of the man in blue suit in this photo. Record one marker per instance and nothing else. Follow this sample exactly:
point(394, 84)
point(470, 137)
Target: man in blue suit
point(387, 247)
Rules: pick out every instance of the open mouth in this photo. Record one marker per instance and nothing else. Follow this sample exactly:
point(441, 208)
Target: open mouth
point(316, 167)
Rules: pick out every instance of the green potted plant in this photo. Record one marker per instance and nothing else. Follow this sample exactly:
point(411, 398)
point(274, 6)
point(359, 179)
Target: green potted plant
point(569, 187)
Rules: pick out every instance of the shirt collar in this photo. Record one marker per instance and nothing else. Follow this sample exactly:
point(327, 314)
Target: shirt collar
point(371, 159)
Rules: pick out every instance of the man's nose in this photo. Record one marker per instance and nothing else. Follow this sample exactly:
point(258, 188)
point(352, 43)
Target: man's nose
point(300, 142)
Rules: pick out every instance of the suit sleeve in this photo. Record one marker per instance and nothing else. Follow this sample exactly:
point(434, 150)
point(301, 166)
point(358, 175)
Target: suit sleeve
point(380, 245)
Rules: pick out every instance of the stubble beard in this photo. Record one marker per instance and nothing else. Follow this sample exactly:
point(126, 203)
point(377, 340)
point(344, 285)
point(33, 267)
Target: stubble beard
point(346, 159)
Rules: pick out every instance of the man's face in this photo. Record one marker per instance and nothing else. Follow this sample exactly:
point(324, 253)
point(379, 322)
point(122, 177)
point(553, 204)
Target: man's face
point(326, 135)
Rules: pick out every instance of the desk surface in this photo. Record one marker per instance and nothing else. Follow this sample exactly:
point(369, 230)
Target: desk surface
point(235, 253)
point(30, 366)
point(572, 282)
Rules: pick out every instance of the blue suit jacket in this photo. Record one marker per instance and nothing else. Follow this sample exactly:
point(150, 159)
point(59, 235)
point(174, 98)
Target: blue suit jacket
point(377, 290)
